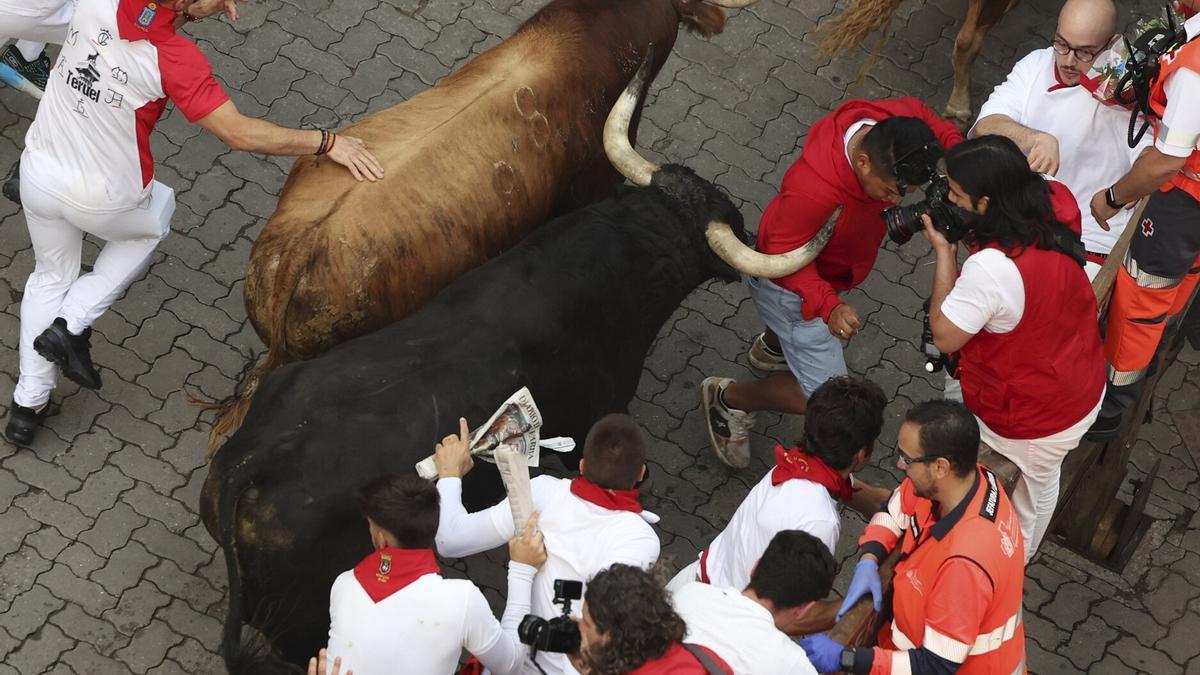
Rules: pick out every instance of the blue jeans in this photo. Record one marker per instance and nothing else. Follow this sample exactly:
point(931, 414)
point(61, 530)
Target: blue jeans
point(813, 354)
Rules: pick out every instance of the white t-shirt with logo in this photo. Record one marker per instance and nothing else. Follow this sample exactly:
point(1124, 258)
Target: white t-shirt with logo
point(1093, 144)
point(767, 511)
point(581, 538)
point(89, 144)
point(739, 630)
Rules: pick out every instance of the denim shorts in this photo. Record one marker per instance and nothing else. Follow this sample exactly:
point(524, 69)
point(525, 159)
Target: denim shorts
point(813, 354)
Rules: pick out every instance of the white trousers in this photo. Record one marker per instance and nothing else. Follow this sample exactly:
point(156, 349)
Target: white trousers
point(55, 288)
point(1040, 461)
point(18, 21)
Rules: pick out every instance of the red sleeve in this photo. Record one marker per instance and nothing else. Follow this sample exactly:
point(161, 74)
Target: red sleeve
point(188, 79)
point(947, 133)
point(798, 215)
point(1066, 207)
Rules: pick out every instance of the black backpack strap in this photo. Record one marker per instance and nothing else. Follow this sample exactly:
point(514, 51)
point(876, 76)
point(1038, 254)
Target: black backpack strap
point(704, 659)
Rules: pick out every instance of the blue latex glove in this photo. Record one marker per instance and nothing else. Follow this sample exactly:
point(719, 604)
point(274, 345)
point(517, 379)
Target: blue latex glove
point(824, 652)
point(866, 578)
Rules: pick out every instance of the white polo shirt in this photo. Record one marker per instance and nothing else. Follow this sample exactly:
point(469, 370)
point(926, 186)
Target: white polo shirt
point(739, 630)
point(1092, 138)
point(768, 510)
point(89, 144)
point(582, 539)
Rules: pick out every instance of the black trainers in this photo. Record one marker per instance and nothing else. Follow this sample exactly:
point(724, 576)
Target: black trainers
point(23, 422)
point(1104, 429)
point(36, 71)
point(12, 184)
point(72, 353)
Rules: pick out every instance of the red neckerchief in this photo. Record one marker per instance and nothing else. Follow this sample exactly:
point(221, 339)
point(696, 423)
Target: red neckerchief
point(796, 463)
point(390, 569)
point(613, 500)
point(1058, 83)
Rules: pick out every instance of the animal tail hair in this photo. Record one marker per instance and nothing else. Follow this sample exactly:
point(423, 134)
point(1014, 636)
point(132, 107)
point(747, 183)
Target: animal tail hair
point(701, 17)
point(859, 19)
point(231, 412)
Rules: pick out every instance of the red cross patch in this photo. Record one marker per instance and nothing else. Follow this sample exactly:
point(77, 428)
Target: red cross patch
point(1147, 227)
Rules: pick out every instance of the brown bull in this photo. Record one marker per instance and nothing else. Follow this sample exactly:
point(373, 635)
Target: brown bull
point(861, 17)
point(472, 165)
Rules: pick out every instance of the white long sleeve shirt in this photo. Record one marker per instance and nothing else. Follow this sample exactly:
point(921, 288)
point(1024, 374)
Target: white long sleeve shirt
point(582, 539)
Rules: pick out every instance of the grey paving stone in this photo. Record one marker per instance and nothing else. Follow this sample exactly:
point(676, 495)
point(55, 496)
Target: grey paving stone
point(149, 646)
point(40, 651)
point(136, 607)
point(112, 529)
point(28, 611)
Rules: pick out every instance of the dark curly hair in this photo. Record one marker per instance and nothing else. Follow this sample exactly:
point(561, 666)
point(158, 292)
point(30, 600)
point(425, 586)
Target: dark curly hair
point(632, 609)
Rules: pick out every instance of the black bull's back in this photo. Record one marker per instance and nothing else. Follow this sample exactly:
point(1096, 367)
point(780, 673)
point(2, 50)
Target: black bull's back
point(570, 312)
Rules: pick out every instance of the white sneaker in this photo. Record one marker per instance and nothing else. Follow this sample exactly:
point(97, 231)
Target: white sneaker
point(764, 358)
point(728, 428)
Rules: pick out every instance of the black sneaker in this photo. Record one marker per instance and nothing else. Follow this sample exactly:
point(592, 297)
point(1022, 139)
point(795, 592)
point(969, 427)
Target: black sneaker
point(23, 422)
point(72, 353)
point(36, 71)
point(1104, 429)
point(12, 184)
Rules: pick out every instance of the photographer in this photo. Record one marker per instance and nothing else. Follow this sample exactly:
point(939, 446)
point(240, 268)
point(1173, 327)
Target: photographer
point(1021, 315)
point(750, 627)
point(629, 626)
point(590, 522)
point(394, 614)
point(804, 489)
point(857, 160)
point(1161, 270)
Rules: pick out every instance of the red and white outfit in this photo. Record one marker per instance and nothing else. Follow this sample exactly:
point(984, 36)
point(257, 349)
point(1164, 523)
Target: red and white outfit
point(1092, 138)
point(739, 630)
point(38, 21)
point(957, 590)
point(394, 614)
point(680, 661)
point(1033, 372)
point(87, 165)
point(800, 493)
point(586, 528)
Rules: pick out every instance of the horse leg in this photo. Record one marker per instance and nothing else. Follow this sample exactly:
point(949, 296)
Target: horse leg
point(981, 16)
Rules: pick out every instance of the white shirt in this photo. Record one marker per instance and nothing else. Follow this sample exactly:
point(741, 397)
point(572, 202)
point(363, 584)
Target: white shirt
point(1179, 135)
point(1092, 138)
point(988, 295)
point(423, 628)
point(30, 7)
point(767, 511)
point(89, 144)
point(739, 630)
point(853, 129)
point(582, 539)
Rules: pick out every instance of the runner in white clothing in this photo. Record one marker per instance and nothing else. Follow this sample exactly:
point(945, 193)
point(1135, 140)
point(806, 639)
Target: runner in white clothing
point(750, 628)
point(589, 522)
point(802, 492)
point(87, 167)
point(1063, 130)
point(394, 614)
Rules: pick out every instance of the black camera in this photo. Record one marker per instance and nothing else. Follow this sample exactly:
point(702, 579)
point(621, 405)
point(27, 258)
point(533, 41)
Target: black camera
point(905, 221)
point(935, 360)
point(560, 634)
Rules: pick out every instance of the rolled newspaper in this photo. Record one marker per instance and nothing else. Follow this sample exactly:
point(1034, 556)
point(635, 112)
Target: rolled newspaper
point(14, 79)
point(514, 471)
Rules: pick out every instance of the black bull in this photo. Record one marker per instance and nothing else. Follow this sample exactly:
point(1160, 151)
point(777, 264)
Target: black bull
point(570, 312)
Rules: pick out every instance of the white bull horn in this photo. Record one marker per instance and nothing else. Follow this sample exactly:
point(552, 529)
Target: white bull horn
point(616, 131)
point(731, 4)
point(742, 258)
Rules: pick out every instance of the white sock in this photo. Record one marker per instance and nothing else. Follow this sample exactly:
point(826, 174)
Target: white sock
point(30, 51)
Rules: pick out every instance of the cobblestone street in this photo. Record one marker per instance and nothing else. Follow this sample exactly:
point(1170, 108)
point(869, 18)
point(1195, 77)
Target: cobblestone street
point(104, 564)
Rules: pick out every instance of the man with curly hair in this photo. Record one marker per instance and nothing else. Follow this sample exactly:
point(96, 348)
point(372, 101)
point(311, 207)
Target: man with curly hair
point(629, 626)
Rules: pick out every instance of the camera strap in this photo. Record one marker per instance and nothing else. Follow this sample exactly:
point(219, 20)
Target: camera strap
point(704, 659)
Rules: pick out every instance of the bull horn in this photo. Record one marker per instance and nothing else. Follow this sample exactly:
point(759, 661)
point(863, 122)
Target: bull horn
point(620, 152)
point(742, 258)
point(731, 4)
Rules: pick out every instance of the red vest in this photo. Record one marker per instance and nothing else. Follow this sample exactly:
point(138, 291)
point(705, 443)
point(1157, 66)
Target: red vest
point(1185, 56)
point(1047, 373)
point(985, 532)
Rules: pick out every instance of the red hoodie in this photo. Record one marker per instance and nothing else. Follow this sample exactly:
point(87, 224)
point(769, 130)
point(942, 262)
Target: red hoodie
point(818, 183)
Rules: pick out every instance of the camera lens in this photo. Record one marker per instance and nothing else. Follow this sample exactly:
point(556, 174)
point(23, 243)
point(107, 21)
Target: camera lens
point(903, 222)
point(530, 627)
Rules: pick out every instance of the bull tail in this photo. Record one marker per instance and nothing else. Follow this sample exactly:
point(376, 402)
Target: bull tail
point(231, 412)
point(851, 27)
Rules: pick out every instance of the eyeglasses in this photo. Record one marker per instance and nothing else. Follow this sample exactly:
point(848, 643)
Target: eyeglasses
point(905, 461)
point(1082, 54)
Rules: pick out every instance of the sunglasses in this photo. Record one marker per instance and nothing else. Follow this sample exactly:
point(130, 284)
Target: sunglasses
point(906, 461)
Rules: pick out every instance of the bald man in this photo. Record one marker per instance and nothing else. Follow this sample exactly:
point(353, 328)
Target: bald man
point(1062, 129)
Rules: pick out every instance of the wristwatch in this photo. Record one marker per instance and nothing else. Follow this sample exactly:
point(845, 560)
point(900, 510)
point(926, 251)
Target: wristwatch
point(847, 662)
point(1111, 199)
